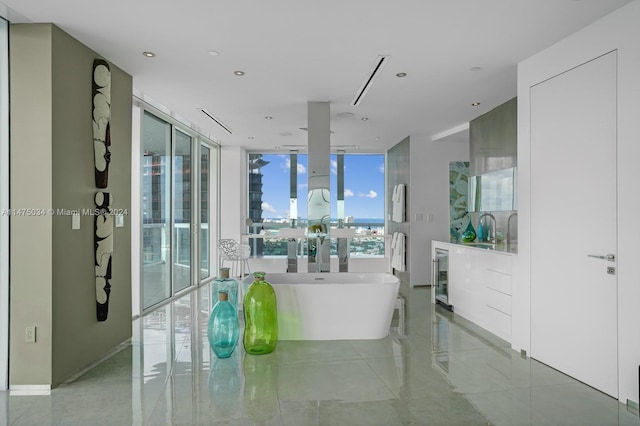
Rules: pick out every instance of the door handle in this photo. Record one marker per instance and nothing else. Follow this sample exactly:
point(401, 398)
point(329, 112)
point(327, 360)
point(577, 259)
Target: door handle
point(434, 272)
point(610, 257)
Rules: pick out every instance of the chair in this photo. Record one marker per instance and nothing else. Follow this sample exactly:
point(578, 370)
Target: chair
point(238, 254)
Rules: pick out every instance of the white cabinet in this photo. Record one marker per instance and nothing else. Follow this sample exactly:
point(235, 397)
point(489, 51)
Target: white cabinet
point(480, 286)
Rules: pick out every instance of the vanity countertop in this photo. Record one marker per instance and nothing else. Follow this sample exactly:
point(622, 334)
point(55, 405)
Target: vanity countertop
point(498, 248)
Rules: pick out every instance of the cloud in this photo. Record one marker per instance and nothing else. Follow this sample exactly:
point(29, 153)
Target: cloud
point(348, 193)
point(268, 207)
point(371, 194)
point(334, 167)
point(381, 168)
point(286, 165)
point(303, 185)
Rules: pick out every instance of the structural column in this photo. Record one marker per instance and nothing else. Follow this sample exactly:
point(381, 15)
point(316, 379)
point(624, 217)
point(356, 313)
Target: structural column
point(319, 207)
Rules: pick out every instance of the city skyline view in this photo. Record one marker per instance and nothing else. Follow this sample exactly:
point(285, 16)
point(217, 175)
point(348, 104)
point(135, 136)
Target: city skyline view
point(363, 186)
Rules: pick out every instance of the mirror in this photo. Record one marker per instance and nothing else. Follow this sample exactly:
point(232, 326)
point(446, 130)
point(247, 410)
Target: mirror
point(493, 191)
point(319, 210)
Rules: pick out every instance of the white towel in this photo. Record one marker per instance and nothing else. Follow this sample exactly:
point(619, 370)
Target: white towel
point(398, 251)
point(398, 203)
point(394, 241)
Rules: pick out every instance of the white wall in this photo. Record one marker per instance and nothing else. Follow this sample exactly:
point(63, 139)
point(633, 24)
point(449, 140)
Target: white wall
point(430, 198)
point(618, 31)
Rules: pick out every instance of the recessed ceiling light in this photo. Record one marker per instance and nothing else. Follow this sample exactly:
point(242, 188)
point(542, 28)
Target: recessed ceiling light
point(239, 73)
point(401, 74)
point(475, 104)
point(345, 114)
point(213, 53)
point(364, 119)
point(148, 54)
point(268, 117)
point(475, 69)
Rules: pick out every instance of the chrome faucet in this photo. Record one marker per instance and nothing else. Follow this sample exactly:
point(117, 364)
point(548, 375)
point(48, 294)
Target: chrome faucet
point(511, 216)
point(493, 227)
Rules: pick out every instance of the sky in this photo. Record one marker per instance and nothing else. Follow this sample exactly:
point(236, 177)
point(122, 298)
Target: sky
point(363, 186)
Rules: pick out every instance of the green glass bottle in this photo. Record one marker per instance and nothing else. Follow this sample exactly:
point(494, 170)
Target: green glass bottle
point(260, 317)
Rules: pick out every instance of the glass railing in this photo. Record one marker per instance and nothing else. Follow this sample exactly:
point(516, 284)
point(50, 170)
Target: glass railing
point(370, 240)
point(158, 250)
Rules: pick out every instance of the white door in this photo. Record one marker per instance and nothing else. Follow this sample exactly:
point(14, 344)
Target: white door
point(573, 216)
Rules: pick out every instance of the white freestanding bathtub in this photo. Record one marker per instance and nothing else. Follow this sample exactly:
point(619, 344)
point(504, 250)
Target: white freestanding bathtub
point(333, 306)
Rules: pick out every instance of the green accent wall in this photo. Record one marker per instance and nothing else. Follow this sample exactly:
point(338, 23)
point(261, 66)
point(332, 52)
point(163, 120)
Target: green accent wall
point(52, 280)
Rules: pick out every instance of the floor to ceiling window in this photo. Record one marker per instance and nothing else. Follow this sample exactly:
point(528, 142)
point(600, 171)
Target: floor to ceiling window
point(156, 210)
point(177, 186)
point(206, 193)
point(278, 195)
point(181, 244)
point(363, 196)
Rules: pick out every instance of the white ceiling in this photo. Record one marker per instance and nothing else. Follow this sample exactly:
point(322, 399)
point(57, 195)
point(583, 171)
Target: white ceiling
point(295, 51)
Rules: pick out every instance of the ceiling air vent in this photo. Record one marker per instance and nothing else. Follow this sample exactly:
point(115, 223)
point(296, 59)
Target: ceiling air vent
point(218, 122)
point(377, 66)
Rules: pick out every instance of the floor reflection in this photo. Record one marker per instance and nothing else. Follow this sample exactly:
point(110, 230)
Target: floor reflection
point(434, 368)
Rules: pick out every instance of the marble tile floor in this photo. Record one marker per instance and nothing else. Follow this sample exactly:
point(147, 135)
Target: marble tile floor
point(434, 368)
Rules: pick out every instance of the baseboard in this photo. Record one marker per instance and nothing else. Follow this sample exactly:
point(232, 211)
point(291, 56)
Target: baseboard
point(29, 390)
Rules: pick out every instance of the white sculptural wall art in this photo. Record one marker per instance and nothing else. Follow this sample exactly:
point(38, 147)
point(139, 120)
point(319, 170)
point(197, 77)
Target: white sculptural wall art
point(103, 220)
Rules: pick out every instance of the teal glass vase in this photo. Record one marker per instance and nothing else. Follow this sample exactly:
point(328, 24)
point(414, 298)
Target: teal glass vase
point(226, 284)
point(480, 234)
point(260, 317)
point(223, 329)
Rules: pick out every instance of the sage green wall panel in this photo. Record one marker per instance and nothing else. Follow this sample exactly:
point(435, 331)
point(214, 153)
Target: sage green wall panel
point(52, 165)
point(79, 339)
point(493, 139)
point(30, 187)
